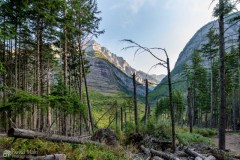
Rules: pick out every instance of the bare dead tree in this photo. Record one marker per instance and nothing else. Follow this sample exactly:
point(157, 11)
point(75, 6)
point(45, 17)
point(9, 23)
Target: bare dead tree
point(164, 63)
point(135, 102)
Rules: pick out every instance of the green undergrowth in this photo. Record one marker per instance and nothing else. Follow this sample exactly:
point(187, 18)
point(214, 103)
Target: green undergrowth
point(189, 138)
point(72, 151)
point(199, 135)
point(164, 132)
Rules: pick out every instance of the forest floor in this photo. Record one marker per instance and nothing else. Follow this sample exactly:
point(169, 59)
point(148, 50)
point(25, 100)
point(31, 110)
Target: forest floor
point(232, 142)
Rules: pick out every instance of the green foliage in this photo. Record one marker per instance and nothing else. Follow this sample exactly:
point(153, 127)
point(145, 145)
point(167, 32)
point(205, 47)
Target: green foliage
point(228, 7)
point(21, 99)
point(162, 106)
point(205, 132)
point(60, 98)
point(211, 48)
point(129, 128)
point(76, 151)
point(155, 129)
point(2, 68)
point(189, 138)
point(197, 78)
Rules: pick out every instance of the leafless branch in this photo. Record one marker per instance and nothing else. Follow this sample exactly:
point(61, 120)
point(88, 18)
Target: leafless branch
point(139, 46)
point(211, 4)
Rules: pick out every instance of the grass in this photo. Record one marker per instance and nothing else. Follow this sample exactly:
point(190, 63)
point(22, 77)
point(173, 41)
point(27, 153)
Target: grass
point(199, 135)
point(101, 103)
point(189, 138)
point(72, 151)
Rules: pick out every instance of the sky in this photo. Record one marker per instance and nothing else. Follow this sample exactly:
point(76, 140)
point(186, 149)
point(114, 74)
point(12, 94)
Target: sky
point(168, 24)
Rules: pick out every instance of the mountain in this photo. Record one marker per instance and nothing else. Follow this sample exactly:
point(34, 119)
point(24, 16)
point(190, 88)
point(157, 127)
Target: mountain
point(110, 73)
point(196, 42)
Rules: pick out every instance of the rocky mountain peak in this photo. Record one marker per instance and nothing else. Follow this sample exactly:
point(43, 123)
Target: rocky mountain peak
point(95, 49)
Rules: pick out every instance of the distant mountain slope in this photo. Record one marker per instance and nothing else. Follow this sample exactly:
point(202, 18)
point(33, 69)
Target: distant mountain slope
point(195, 42)
point(106, 78)
point(119, 62)
point(110, 73)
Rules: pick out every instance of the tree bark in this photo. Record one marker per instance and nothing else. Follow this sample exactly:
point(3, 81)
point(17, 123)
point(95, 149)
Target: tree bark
point(222, 120)
point(146, 151)
point(51, 157)
point(88, 99)
point(135, 102)
point(189, 110)
point(146, 104)
point(172, 110)
point(116, 118)
point(49, 110)
point(121, 119)
point(194, 154)
point(65, 48)
point(29, 134)
point(211, 112)
point(164, 155)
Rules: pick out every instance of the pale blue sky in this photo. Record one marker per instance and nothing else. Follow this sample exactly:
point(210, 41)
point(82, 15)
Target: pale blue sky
point(152, 23)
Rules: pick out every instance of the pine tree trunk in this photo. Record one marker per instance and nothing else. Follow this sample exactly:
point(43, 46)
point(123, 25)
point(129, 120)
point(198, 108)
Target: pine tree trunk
point(238, 113)
point(125, 117)
point(222, 120)
point(49, 110)
point(37, 77)
point(116, 119)
point(211, 112)
point(146, 103)
point(16, 56)
point(172, 110)
point(80, 70)
point(121, 119)
point(88, 99)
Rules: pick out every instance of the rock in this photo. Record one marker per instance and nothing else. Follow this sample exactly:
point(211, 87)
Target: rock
point(120, 63)
point(105, 136)
point(198, 158)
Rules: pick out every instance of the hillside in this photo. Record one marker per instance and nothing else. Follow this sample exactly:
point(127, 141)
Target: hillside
point(110, 73)
point(196, 42)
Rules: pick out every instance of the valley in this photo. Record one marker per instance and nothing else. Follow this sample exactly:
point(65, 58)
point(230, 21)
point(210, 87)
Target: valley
point(65, 95)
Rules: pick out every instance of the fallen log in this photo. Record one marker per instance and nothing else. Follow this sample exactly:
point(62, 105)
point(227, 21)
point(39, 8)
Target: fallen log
point(157, 158)
point(154, 140)
point(52, 157)
point(181, 154)
point(146, 152)
point(210, 158)
point(194, 154)
point(164, 155)
point(29, 134)
point(218, 154)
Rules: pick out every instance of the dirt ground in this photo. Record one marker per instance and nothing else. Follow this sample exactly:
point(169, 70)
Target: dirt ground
point(232, 142)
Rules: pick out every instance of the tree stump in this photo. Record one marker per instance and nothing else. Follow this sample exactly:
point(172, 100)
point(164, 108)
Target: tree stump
point(105, 136)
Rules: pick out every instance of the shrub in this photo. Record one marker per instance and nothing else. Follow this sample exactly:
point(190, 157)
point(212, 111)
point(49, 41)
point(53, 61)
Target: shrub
point(206, 132)
point(189, 138)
